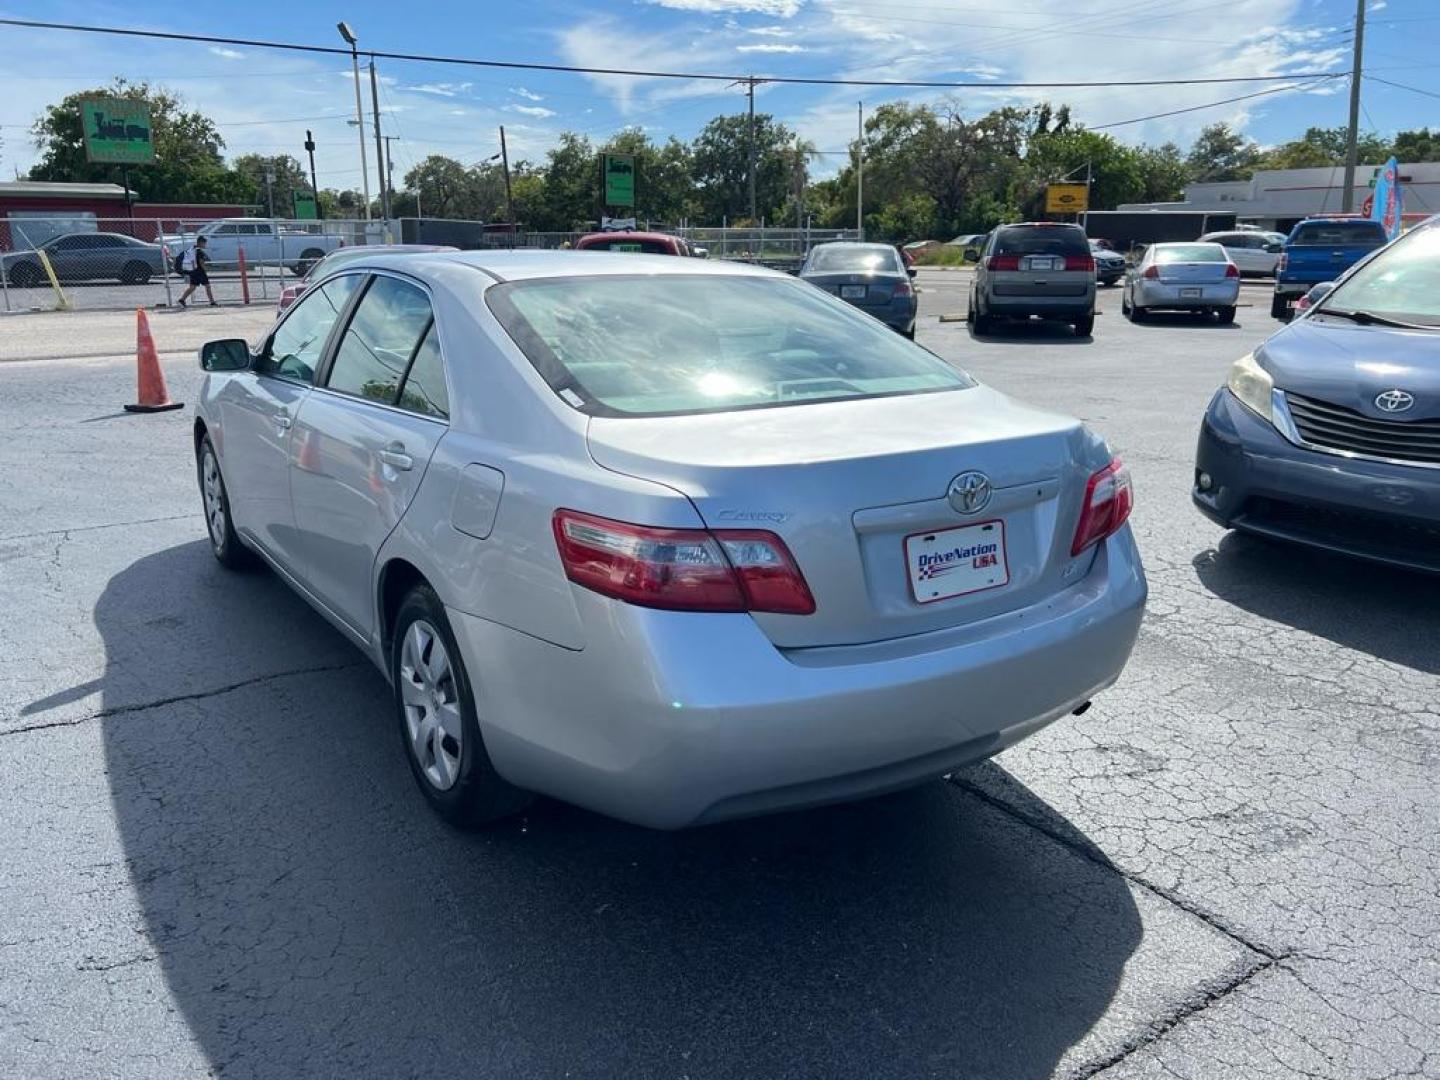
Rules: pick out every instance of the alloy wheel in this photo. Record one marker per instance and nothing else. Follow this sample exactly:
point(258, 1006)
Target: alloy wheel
point(431, 700)
point(214, 493)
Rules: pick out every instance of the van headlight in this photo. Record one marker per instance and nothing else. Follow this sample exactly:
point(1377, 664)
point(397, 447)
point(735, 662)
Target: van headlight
point(1252, 385)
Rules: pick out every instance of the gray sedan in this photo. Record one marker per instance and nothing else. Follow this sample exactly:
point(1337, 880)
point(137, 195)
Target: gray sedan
point(1196, 277)
point(675, 540)
point(90, 256)
point(873, 277)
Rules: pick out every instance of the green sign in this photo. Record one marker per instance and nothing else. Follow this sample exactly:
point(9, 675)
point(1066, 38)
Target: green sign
point(117, 131)
point(618, 173)
point(305, 207)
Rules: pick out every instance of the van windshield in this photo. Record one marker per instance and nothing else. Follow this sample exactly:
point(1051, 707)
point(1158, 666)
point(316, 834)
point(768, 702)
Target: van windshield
point(666, 344)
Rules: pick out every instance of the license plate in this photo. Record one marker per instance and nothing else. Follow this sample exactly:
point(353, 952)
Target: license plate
point(1190, 293)
point(1042, 263)
point(852, 292)
point(953, 562)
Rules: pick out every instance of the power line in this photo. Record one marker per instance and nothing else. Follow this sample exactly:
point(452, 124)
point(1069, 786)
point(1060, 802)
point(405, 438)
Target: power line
point(1215, 104)
point(632, 73)
point(1402, 86)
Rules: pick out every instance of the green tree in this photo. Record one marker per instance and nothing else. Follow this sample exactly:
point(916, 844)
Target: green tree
point(1324, 146)
point(188, 166)
point(1116, 170)
point(721, 156)
point(664, 184)
point(1163, 173)
point(1416, 146)
point(447, 189)
point(569, 198)
point(290, 178)
point(1219, 153)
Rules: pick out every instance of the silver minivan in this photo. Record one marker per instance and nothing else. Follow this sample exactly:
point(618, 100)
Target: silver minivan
point(1042, 268)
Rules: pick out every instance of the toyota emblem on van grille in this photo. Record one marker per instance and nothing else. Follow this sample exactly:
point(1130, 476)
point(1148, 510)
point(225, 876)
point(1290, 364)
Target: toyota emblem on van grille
point(1394, 401)
point(969, 492)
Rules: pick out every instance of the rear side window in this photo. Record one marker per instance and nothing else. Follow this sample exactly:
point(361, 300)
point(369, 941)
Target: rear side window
point(424, 390)
point(643, 247)
point(1165, 254)
point(388, 326)
point(1339, 232)
point(1041, 240)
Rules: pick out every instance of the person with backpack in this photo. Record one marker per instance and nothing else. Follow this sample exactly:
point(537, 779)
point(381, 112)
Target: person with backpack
point(191, 263)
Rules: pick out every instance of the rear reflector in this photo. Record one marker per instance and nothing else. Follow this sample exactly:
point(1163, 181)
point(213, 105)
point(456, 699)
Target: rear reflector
point(1231, 270)
point(681, 569)
point(1109, 497)
point(1080, 262)
point(1003, 262)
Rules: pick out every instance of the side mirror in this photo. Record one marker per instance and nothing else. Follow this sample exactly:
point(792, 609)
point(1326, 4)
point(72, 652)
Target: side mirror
point(227, 354)
point(1318, 293)
point(912, 271)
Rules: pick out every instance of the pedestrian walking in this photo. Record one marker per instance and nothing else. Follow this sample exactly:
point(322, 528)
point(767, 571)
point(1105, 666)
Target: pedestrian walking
point(193, 263)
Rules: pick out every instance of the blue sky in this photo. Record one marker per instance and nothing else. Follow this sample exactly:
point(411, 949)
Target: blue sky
point(264, 100)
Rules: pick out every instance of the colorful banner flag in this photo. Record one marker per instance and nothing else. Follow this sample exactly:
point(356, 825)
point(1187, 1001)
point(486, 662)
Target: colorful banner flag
point(1388, 202)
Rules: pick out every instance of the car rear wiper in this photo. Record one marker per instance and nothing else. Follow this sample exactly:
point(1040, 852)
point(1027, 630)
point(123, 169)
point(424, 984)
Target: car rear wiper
point(1369, 318)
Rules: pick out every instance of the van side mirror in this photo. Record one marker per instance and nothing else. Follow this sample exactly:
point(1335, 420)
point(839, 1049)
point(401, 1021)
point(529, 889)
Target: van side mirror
point(227, 354)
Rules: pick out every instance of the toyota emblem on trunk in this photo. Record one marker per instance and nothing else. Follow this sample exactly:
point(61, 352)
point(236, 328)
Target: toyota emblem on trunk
point(1394, 401)
point(969, 492)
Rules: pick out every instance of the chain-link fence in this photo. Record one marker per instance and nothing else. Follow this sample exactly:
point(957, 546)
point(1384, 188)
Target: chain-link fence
point(69, 263)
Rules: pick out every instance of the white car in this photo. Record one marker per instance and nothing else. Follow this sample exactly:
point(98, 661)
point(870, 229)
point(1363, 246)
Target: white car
point(674, 539)
point(1254, 253)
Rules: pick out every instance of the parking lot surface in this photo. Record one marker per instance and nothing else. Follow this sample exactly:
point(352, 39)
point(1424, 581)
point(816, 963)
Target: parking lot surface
point(217, 865)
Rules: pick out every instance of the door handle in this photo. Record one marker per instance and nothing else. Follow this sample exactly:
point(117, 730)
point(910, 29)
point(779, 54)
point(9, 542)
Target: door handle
point(394, 455)
point(282, 421)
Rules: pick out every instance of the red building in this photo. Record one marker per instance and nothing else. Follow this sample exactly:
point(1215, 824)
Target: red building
point(32, 211)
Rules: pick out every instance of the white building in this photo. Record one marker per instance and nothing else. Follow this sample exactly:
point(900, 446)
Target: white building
point(1278, 198)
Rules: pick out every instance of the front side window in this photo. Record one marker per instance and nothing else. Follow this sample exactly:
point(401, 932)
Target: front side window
point(1400, 283)
point(388, 326)
point(294, 350)
point(631, 345)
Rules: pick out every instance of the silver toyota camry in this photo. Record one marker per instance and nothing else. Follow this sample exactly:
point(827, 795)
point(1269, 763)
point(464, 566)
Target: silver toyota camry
point(678, 541)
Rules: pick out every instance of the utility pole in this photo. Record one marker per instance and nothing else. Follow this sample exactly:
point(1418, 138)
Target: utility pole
point(379, 145)
point(270, 187)
point(505, 164)
point(351, 39)
point(314, 187)
point(750, 86)
point(390, 166)
point(1347, 194)
point(860, 172)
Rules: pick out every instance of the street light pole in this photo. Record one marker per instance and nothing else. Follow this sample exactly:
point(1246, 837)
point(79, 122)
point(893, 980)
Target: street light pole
point(350, 39)
point(379, 146)
point(1352, 135)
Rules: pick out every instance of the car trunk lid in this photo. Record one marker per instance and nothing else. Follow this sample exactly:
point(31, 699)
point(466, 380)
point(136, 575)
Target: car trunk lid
point(860, 289)
point(858, 492)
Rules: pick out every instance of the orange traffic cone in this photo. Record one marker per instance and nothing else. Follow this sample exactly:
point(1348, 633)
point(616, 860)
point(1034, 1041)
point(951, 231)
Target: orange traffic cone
point(152, 393)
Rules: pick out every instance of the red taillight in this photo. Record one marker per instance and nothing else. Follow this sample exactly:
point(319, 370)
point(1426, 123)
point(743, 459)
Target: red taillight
point(1080, 262)
point(902, 289)
point(1152, 272)
point(1231, 270)
point(1003, 262)
point(681, 569)
point(1109, 497)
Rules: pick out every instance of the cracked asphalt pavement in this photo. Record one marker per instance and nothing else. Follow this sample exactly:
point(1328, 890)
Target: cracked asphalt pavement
point(215, 863)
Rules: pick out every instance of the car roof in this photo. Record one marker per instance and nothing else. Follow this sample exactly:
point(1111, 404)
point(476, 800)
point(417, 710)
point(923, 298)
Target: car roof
point(396, 249)
point(521, 264)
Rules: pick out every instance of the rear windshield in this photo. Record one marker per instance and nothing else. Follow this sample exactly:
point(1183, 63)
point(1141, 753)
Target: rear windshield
point(1166, 254)
point(1041, 240)
point(1339, 232)
point(643, 247)
point(655, 345)
point(854, 260)
point(1401, 283)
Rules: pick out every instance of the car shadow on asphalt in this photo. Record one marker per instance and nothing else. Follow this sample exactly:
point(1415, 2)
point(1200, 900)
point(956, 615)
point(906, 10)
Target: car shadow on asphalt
point(1393, 614)
point(1162, 319)
point(1031, 332)
point(313, 917)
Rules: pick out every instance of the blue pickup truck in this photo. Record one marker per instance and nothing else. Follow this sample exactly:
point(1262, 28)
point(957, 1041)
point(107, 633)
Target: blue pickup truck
point(1320, 249)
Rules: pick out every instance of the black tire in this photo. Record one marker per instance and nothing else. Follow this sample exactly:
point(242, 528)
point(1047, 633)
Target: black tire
point(227, 547)
point(909, 333)
point(135, 273)
point(25, 275)
point(1225, 315)
point(308, 258)
point(980, 323)
point(1136, 313)
point(479, 795)
point(1084, 327)
point(1279, 309)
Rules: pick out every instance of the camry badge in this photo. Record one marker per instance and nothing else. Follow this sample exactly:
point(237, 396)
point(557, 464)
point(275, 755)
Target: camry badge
point(1394, 401)
point(969, 492)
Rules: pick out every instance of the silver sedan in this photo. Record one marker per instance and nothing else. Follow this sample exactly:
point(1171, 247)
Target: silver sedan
point(678, 541)
point(1196, 277)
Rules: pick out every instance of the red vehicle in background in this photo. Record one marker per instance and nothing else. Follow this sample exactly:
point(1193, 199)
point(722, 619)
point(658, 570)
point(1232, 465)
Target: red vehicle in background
point(340, 256)
point(644, 243)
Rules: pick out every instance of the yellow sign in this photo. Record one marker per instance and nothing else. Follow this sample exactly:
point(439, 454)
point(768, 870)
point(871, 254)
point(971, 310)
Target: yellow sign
point(1067, 198)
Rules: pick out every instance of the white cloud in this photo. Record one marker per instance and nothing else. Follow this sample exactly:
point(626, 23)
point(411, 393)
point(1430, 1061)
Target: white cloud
point(528, 95)
point(771, 47)
point(780, 9)
point(538, 111)
point(441, 89)
point(226, 54)
point(766, 31)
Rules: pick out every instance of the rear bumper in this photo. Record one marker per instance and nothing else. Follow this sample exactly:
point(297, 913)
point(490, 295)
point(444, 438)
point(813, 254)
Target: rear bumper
point(1262, 483)
point(668, 719)
point(1057, 307)
point(1160, 295)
